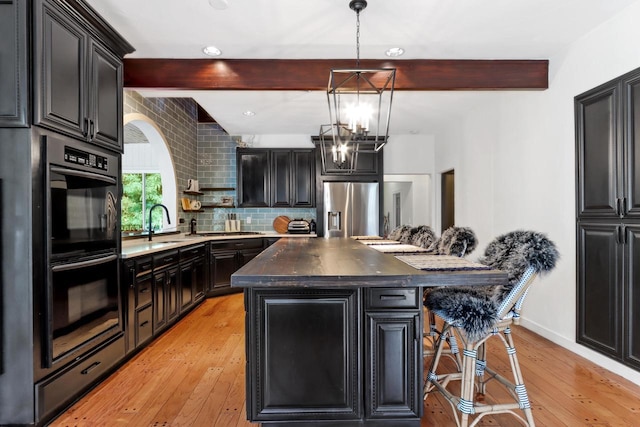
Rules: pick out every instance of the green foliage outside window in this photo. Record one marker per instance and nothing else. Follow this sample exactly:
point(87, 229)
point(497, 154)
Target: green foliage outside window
point(141, 189)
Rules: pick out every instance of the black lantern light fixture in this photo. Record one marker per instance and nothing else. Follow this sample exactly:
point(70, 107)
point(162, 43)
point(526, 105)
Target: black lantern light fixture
point(359, 109)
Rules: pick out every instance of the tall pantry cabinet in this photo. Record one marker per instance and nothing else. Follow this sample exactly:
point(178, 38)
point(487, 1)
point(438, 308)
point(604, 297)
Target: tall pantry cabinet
point(60, 76)
point(608, 218)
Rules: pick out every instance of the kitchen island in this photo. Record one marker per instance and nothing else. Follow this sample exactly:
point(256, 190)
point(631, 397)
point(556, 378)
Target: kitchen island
point(334, 333)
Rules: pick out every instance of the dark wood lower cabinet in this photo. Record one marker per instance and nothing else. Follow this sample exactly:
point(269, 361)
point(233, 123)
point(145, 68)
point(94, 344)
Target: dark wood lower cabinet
point(392, 360)
point(329, 357)
point(609, 289)
point(139, 288)
point(226, 257)
point(73, 380)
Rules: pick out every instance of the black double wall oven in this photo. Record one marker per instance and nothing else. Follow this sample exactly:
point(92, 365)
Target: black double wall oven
point(80, 305)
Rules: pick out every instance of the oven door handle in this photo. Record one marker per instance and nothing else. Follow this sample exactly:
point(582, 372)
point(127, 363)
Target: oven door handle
point(83, 174)
point(82, 264)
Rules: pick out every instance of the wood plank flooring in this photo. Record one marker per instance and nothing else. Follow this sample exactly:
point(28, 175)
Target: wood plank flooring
point(193, 375)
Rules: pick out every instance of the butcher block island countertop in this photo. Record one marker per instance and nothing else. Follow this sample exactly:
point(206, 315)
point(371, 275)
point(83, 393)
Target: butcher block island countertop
point(334, 333)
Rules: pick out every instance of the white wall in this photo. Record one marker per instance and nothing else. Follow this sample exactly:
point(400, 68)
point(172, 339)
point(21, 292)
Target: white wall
point(411, 159)
point(278, 141)
point(514, 160)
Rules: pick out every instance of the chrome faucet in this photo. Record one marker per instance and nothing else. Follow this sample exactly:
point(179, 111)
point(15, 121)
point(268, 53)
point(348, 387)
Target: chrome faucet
point(151, 210)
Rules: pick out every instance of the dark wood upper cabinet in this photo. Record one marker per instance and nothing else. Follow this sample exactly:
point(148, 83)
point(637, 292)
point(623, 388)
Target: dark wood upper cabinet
point(13, 66)
point(276, 177)
point(105, 106)
point(253, 177)
point(303, 179)
point(293, 178)
point(608, 209)
point(607, 132)
point(281, 174)
point(78, 79)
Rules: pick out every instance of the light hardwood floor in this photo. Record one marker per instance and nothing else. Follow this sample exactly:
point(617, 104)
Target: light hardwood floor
point(193, 375)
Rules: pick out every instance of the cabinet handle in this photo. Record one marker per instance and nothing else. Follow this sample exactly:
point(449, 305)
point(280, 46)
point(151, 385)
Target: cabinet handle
point(144, 290)
point(92, 129)
point(143, 324)
point(85, 127)
point(133, 277)
point(619, 207)
point(90, 368)
point(393, 297)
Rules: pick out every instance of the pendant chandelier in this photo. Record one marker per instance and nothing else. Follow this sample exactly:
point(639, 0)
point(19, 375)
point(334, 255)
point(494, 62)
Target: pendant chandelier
point(359, 110)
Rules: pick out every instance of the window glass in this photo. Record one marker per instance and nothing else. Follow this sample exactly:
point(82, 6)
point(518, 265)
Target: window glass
point(138, 190)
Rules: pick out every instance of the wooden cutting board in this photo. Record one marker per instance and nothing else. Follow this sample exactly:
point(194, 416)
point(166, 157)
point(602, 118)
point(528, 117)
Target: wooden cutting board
point(281, 224)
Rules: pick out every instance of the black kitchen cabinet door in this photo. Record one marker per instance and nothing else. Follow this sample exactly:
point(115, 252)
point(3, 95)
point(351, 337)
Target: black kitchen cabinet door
point(138, 281)
point(289, 382)
point(186, 288)
point(253, 177)
point(105, 106)
point(609, 289)
point(600, 286)
point(223, 264)
point(293, 178)
point(200, 278)
point(631, 353)
point(276, 177)
point(393, 365)
point(173, 294)
point(13, 66)
point(631, 159)
point(159, 301)
point(281, 177)
point(78, 80)
point(303, 178)
point(61, 75)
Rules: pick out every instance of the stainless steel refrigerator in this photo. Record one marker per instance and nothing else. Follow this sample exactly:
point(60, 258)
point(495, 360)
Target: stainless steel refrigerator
point(351, 209)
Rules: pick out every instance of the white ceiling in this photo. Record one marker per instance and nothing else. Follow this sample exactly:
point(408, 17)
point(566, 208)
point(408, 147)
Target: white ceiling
point(325, 29)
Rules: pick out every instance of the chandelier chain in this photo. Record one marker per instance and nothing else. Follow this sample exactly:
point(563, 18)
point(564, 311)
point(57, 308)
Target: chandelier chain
point(358, 39)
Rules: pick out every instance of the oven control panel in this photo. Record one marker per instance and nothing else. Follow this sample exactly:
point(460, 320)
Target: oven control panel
point(79, 157)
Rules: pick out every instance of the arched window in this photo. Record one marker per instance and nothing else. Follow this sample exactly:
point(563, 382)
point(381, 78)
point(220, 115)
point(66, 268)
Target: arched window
point(148, 176)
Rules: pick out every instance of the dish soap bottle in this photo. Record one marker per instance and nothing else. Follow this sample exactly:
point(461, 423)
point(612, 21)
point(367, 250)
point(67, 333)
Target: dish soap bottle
point(312, 226)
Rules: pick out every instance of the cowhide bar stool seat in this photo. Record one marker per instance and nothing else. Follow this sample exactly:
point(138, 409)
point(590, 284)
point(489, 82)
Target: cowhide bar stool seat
point(476, 314)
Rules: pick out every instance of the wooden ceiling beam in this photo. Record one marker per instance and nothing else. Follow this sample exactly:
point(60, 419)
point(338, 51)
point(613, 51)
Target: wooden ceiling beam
point(313, 74)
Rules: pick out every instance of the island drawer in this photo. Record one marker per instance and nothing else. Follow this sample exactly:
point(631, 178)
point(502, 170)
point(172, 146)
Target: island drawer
point(377, 298)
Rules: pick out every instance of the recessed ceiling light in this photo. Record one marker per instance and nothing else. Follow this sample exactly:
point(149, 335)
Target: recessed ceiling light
point(212, 51)
point(394, 51)
point(219, 4)
point(249, 113)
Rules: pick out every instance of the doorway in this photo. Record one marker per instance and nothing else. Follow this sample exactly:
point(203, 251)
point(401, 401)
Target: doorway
point(447, 200)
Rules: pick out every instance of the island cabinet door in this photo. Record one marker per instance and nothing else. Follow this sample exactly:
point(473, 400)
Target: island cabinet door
point(303, 356)
point(393, 365)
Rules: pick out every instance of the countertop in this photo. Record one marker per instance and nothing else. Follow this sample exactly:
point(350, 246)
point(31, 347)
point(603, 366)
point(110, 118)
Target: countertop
point(139, 247)
point(344, 262)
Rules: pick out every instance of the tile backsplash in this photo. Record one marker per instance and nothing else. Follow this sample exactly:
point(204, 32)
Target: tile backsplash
point(206, 152)
point(216, 167)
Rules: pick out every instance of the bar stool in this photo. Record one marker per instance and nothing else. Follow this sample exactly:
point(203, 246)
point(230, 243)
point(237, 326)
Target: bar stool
point(422, 236)
point(476, 314)
point(457, 241)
